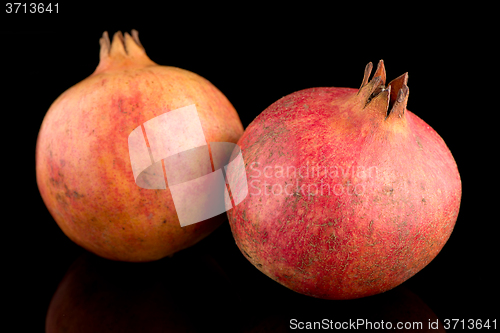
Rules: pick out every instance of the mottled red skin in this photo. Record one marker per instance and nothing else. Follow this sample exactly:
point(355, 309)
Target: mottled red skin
point(83, 165)
point(344, 246)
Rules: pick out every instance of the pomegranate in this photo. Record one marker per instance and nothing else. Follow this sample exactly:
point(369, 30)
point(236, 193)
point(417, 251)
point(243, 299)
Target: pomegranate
point(350, 194)
point(83, 165)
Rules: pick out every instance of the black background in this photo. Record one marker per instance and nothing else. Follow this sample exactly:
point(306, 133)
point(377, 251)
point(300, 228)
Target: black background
point(255, 56)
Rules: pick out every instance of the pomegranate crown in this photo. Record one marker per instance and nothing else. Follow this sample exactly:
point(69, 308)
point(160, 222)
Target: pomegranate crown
point(125, 51)
point(392, 99)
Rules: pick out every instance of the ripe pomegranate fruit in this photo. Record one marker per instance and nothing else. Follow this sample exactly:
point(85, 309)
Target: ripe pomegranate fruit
point(350, 194)
point(83, 166)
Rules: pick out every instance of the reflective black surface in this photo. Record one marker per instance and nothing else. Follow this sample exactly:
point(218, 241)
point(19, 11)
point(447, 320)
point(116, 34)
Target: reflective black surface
point(212, 287)
point(209, 288)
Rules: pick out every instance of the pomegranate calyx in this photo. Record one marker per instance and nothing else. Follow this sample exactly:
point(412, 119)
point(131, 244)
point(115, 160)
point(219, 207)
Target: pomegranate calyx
point(123, 51)
point(373, 88)
point(399, 95)
point(381, 99)
point(391, 100)
point(370, 88)
point(366, 75)
point(396, 85)
point(380, 71)
point(400, 102)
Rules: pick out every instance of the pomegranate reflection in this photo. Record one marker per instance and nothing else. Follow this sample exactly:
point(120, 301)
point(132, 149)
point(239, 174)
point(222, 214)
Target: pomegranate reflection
point(187, 293)
point(206, 289)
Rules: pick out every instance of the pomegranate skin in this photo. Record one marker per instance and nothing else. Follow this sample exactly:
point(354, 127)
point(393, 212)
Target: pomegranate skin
point(350, 194)
point(83, 166)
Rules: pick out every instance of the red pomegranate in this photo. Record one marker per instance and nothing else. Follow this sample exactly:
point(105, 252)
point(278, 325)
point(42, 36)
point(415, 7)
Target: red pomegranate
point(350, 194)
point(83, 165)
